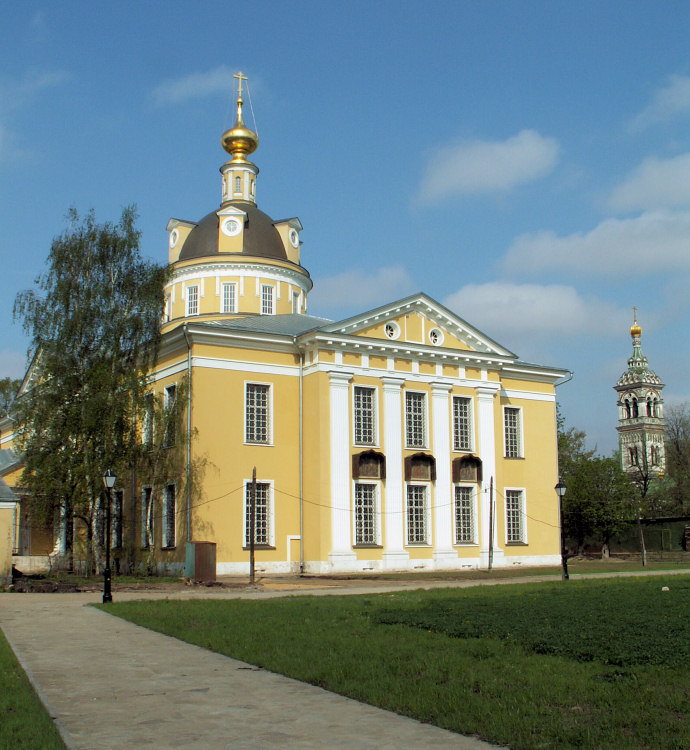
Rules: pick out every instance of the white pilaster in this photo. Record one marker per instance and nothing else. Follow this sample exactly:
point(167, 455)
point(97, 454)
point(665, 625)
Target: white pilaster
point(394, 554)
point(443, 525)
point(341, 555)
point(486, 394)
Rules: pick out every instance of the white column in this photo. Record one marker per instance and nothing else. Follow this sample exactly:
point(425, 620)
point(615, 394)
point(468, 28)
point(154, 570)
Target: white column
point(486, 394)
point(443, 519)
point(394, 554)
point(341, 556)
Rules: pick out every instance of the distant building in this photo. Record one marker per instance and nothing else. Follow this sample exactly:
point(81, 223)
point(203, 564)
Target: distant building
point(640, 415)
point(402, 438)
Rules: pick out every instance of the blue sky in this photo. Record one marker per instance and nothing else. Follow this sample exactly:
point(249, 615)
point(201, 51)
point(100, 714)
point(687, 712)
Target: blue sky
point(526, 164)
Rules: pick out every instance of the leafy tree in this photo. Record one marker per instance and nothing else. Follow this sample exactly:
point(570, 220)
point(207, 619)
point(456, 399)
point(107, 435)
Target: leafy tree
point(597, 500)
point(677, 480)
point(8, 392)
point(93, 319)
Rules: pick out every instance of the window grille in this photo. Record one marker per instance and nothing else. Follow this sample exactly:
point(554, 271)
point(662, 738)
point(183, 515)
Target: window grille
point(462, 425)
point(257, 413)
point(170, 431)
point(515, 525)
point(511, 422)
point(415, 420)
point(416, 514)
point(169, 517)
point(464, 516)
point(261, 513)
point(229, 303)
point(266, 299)
point(365, 514)
point(365, 415)
point(192, 300)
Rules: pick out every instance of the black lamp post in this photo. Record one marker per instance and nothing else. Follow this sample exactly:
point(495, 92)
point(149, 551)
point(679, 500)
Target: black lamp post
point(560, 491)
point(109, 482)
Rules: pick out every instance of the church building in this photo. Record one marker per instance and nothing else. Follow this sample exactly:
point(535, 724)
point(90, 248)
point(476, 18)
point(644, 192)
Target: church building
point(640, 415)
point(401, 438)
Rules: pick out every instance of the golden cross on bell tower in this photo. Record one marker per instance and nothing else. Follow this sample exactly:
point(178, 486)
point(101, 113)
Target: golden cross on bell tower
point(240, 77)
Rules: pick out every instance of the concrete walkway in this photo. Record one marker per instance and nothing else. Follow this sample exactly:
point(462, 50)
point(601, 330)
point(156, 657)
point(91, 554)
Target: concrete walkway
point(110, 684)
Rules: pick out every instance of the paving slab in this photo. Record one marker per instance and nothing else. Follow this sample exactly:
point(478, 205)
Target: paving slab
point(110, 684)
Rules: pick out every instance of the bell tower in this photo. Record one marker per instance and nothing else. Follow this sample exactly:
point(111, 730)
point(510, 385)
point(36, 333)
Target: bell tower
point(640, 414)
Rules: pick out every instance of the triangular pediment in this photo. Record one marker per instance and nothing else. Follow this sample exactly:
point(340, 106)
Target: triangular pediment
point(419, 320)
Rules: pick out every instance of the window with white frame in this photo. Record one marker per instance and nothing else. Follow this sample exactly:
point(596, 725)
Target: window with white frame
point(267, 299)
point(415, 419)
point(263, 516)
point(147, 426)
point(170, 415)
point(257, 413)
point(417, 511)
point(116, 520)
point(512, 432)
point(193, 300)
point(167, 315)
point(169, 514)
point(146, 517)
point(462, 423)
point(229, 298)
point(515, 517)
point(364, 415)
point(366, 527)
point(464, 516)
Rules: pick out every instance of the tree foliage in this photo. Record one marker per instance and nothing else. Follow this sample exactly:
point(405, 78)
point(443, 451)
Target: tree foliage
point(677, 481)
point(8, 392)
point(598, 498)
point(93, 319)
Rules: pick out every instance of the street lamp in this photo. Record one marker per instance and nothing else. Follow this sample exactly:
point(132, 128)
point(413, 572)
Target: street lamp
point(560, 491)
point(109, 482)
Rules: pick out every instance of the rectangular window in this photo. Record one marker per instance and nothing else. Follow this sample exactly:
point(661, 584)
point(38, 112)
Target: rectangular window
point(266, 299)
point(515, 517)
point(365, 514)
point(229, 298)
point(511, 428)
point(464, 516)
point(116, 520)
point(170, 415)
point(193, 300)
point(365, 415)
point(169, 511)
point(415, 420)
point(417, 511)
point(257, 413)
point(146, 517)
point(262, 514)
point(147, 426)
point(167, 315)
point(462, 424)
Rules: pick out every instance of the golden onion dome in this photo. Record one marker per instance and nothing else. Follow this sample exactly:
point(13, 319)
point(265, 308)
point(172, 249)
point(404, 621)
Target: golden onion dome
point(239, 141)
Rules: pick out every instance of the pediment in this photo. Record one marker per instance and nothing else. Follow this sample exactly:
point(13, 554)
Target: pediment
point(419, 320)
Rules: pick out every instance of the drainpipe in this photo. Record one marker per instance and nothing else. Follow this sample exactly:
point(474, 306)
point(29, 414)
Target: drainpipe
point(189, 434)
point(301, 458)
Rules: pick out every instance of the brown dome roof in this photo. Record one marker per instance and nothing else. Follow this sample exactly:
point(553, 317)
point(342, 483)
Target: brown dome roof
point(261, 238)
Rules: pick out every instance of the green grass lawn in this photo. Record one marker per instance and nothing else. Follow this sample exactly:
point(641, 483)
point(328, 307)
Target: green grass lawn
point(583, 664)
point(24, 722)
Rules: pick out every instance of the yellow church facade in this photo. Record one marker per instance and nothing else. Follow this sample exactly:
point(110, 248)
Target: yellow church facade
point(402, 438)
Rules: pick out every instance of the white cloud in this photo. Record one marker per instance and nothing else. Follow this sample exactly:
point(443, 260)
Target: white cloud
point(652, 243)
point(357, 291)
point(667, 103)
point(488, 166)
point(521, 311)
point(194, 86)
point(12, 364)
point(656, 183)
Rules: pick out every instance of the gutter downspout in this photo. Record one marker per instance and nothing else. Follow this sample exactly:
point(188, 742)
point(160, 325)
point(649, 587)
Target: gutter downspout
point(301, 457)
point(189, 434)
